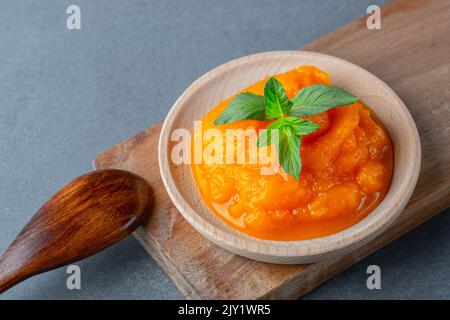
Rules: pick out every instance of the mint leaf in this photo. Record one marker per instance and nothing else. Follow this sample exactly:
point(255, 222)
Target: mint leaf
point(244, 106)
point(316, 99)
point(286, 134)
point(301, 127)
point(275, 100)
point(289, 151)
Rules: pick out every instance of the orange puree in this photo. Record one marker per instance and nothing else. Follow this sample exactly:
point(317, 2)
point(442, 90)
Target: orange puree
point(347, 168)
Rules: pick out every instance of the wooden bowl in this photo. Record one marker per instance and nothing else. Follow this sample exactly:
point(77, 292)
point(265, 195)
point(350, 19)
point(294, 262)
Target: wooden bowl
point(230, 78)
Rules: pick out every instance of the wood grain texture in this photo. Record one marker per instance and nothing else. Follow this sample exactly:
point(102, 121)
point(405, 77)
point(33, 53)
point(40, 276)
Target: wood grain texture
point(224, 81)
point(87, 215)
point(411, 54)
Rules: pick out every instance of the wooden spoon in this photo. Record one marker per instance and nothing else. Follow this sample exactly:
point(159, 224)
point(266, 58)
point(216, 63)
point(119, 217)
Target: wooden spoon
point(87, 215)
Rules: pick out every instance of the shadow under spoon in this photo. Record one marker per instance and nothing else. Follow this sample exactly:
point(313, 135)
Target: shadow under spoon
point(89, 214)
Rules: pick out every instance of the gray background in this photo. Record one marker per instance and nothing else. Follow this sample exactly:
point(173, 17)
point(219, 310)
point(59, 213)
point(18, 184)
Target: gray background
point(67, 95)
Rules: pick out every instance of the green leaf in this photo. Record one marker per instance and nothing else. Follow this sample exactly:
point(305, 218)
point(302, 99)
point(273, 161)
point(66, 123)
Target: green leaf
point(289, 152)
point(316, 99)
point(243, 107)
point(275, 100)
point(301, 127)
point(289, 132)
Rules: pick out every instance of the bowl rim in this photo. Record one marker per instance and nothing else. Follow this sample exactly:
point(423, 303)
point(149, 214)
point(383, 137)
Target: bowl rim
point(357, 233)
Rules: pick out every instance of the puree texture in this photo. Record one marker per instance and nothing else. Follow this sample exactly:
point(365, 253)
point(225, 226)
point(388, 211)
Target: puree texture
point(347, 169)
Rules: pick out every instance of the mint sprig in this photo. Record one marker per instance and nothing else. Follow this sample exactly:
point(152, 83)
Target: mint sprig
point(287, 130)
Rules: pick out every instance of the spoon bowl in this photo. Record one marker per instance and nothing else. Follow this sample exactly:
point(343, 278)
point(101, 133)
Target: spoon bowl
point(87, 215)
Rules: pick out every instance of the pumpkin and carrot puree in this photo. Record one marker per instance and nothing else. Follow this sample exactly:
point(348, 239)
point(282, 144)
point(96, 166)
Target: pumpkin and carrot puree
point(346, 171)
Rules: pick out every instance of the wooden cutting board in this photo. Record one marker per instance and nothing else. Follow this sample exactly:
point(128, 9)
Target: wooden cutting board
point(412, 54)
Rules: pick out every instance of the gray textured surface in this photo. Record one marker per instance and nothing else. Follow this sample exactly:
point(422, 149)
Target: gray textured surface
point(67, 95)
